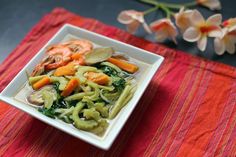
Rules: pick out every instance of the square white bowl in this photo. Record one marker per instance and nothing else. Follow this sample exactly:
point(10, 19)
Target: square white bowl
point(148, 63)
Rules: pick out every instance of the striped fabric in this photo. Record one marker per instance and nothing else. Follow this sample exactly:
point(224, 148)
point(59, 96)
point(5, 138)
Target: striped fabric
point(189, 109)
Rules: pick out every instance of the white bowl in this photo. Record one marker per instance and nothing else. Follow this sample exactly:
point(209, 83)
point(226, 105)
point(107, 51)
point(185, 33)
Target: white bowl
point(148, 63)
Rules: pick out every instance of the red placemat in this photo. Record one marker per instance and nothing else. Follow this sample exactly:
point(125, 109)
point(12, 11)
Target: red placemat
point(189, 109)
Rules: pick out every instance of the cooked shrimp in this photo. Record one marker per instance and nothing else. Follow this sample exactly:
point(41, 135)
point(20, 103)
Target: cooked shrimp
point(61, 55)
point(40, 68)
point(79, 46)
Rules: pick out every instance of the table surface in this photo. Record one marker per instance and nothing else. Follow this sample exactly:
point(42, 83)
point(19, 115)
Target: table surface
point(19, 16)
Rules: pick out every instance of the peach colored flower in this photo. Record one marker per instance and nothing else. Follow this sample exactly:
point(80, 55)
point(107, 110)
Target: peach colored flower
point(230, 24)
point(182, 19)
point(133, 19)
point(164, 28)
point(211, 4)
point(226, 43)
point(201, 29)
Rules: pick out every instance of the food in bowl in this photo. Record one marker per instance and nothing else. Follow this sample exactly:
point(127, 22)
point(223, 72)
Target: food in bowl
point(82, 85)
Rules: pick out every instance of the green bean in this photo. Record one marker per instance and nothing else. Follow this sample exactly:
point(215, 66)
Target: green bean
point(95, 96)
point(65, 112)
point(131, 94)
point(66, 119)
point(34, 79)
point(91, 113)
point(109, 88)
point(119, 103)
point(82, 70)
point(48, 99)
point(101, 128)
point(86, 88)
point(102, 109)
point(63, 82)
point(112, 66)
point(82, 124)
point(89, 102)
point(127, 99)
point(78, 96)
point(109, 97)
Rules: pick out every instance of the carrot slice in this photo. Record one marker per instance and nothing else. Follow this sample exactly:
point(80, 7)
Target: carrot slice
point(43, 82)
point(78, 58)
point(131, 68)
point(70, 87)
point(98, 78)
point(68, 69)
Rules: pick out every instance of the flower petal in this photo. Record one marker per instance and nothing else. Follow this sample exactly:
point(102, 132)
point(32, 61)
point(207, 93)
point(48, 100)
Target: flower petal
point(182, 19)
point(216, 33)
point(202, 43)
point(161, 36)
point(230, 47)
point(211, 4)
point(124, 17)
point(232, 28)
point(215, 19)
point(138, 16)
point(132, 27)
point(219, 46)
point(197, 18)
point(147, 28)
point(232, 38)
point(192, 34)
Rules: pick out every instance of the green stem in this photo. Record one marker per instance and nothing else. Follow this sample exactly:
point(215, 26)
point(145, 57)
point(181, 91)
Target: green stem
point(170, 5)
point(150, 2)
point(166, 10)
point(178, 6)
point(151, 10)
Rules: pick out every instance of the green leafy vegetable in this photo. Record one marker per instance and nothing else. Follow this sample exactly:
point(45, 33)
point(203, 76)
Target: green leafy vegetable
point(47, 112)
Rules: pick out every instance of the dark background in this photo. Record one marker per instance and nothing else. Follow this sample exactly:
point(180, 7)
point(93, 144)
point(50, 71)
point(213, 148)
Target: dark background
point(17, 17)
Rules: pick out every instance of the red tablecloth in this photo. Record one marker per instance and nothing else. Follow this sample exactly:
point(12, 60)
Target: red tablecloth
point(189, 109)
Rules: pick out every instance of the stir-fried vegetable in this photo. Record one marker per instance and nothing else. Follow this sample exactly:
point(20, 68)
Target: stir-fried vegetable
point(99, 78)
point(72, 85)
point(98, 55)
point(67, 70)
point(42, 82)
point(131, 68)
point(82, 85)
point(35, 79)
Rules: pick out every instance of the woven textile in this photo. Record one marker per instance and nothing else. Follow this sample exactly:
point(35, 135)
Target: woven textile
point(189, 108)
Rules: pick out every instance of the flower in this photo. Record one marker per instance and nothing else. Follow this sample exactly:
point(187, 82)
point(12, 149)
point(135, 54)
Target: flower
point(182, 19)
point(164, 28)
point(226, 43)
point(201, 29)
point(132, 19)
point(230, 24)
point(211, 4)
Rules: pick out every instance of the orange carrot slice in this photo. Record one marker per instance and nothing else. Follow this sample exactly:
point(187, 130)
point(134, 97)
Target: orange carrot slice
point(98, 78)
point(70, 87)
point(68, 69)
point(131, 68)
point(43, 82)
point(78, 58)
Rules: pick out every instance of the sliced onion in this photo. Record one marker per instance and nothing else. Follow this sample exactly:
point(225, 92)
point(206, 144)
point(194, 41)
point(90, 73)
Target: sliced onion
point(98, 55)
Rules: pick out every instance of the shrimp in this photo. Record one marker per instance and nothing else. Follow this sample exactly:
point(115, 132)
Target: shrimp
point(61, 55)
point(40, 68)
point(79, 46)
